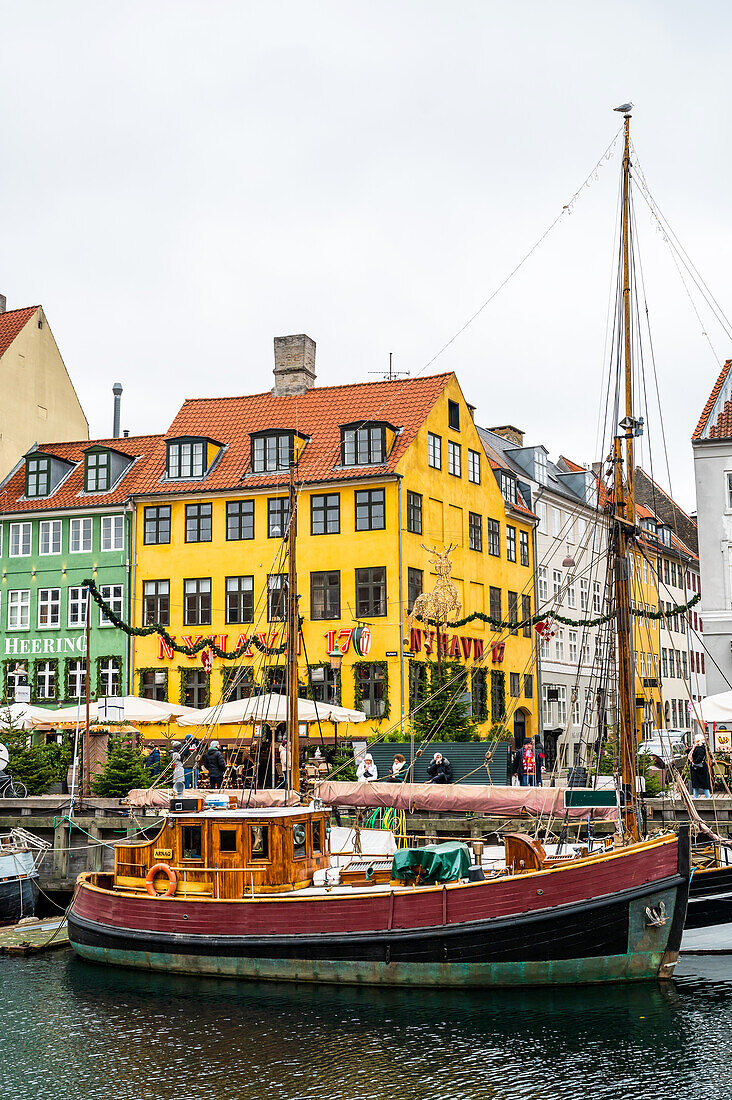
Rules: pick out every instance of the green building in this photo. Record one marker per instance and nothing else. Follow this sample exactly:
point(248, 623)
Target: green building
point(64, 516)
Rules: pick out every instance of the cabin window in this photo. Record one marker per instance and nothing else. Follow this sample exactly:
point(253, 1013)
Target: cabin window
point(259, 840)
point(227, 841)
point(299, 840)
point(191, 842)
point(317, 836)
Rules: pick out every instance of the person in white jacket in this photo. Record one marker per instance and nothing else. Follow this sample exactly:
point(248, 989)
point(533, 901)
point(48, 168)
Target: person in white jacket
point(367, 772)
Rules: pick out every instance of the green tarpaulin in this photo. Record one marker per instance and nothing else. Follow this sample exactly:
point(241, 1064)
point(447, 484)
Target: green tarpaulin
point(433, 863)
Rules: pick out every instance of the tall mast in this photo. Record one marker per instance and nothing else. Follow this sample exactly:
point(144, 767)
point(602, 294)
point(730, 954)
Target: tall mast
point(624, 532)
point(293, 630)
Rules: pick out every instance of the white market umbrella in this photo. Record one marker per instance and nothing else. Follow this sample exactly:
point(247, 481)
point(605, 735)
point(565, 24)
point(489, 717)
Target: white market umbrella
point(267, 708)
point(329, 712)
point(21, 716)
point(716, 708)
point(135, 710)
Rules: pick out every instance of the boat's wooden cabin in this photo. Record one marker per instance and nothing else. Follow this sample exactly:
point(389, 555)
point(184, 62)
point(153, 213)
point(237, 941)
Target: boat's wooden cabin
point(228, 854)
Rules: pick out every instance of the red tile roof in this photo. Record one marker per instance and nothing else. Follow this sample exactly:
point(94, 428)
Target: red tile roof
point(318, 414)
point(70, 493)
point(11, 324)
point(722, 426)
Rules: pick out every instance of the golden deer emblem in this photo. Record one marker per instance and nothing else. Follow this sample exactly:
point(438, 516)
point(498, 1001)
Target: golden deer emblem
point(443, 603)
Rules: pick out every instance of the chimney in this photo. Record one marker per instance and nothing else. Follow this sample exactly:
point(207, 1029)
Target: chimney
point(294, 368)
point(126, 433)
point(3, 303)
point(513, 435)
point(117, 391)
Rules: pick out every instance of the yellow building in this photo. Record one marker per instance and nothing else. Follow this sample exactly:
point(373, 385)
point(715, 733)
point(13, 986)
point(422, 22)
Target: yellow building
point(39, 400)
point(386, 471)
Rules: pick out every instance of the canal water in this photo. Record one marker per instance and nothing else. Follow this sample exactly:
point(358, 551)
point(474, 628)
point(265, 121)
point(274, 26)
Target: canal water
point(74, 1031)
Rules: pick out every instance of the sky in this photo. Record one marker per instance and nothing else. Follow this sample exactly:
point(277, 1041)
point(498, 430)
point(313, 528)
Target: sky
point(181, 181)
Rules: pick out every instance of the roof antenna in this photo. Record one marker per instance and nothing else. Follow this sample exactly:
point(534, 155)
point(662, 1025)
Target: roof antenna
point(391, 375)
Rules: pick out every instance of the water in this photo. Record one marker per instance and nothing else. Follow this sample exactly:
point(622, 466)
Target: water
point(74, 1031)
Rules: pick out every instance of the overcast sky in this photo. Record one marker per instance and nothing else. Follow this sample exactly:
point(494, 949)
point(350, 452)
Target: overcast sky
point(182, 181)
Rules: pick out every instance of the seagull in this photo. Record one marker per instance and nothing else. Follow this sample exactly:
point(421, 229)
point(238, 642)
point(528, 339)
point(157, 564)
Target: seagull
point(624, 108)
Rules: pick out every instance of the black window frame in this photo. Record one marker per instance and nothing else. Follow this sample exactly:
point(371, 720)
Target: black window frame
point(454, 469)
point(325, 589)
point(238, 513)
point(514, 685)
point(196, 686)
point(524, 547)
point(188, 846)
point(434, 448)
point(526, 615)
point(510, 542)
point(414, 512)
point(366, 504)
point(412, 584)
point(323, 512)
point(156, 603)
point(363, 444)
point(158, 517)
point(453, 415)
point(197, 528)
point(475, 531)
point(151, 687)
point(375, 604)
point(474, 464)
point(284, 441)
point(494, 602)
point(240, 598)
point(276, 597)
point(196, 600)
point(513, 611)
point(528, 685)
point(176, 447)
point(493, 536)
point(237, 682)
point(228, 833)
point(369, 677)
point(278, 517)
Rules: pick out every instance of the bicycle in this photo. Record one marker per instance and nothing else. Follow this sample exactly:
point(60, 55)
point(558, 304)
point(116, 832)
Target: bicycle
point(10, 787)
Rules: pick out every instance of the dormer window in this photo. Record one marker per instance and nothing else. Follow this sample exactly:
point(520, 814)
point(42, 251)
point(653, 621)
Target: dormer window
point(363, 444)
point(37, 476)
point(186, 458)
point(540, 468)
point(508, 487)
point(97, 471)
point(272, 452)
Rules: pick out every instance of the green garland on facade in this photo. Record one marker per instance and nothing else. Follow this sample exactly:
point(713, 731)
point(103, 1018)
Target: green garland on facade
point(358, 692)
point(141, 679)
point(67, 679)
point(35, 696)
point(479, 690)
point(187, 650)
point(325, 665)
point(118, 665)
point(182, 694)
point(504, 624)
point(498, 696)
point(8, 666)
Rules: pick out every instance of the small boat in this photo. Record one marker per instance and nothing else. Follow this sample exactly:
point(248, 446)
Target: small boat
point(20, 853)
point(253, 893)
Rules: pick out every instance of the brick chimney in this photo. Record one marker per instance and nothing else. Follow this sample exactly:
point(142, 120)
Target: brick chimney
point(294, 368)
point(513, 435)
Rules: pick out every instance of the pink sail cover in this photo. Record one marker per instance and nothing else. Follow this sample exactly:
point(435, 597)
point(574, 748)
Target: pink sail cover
point(499, 801)
point(160, 798)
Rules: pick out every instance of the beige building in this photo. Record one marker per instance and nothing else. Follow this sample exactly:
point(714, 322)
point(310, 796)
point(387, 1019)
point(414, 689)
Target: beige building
point(39, 402)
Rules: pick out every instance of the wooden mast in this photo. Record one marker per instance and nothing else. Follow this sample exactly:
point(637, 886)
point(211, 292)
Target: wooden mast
point(293, 630)
point(625, 527)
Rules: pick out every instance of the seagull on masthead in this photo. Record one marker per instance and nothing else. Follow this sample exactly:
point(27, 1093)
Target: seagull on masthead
point(624, 108)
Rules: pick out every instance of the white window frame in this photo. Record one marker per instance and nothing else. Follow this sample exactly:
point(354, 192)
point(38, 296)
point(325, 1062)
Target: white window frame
point(22, 606)
point(541, 513)
point(114, 595)
point(573, 649)
point(20, 530)
point(559, 645)
point(49, 598)
point(540, 466)
point(584, 594)
point(78, 675)
point(596, 597)
point(556, 522)
point(108, 669)
point(113, 526)
point(543, 583)
point(557, 583)
point(51, 527)
point(81, 599)
point(81, 524)
point(572, 595)
point(45, 676)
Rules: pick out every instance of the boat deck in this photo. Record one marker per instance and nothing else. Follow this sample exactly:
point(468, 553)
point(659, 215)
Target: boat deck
point(34, 937)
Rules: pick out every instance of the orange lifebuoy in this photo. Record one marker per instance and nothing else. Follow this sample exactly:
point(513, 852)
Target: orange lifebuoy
point(172, 884)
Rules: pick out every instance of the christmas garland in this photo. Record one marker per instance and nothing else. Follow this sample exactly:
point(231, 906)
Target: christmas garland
point(504, 624)
point(358, 689)
point(35, 693)
point(187, 650)
point(117, 661)
point(498, 696)
point(479, 689)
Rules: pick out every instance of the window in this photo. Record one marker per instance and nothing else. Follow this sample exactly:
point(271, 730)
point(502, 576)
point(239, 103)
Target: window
point(510, 542)
point(524, 547)
point(325, 514)
point(49, 539)
point(543, 583)
point(370, 510)
point(371, 592)
point(515, 685)
point(528, 686)
point(540, 470)
point(414, 512)
point(76, 678)
point(317, 827)
point(239, 519)
point(513, 610)
point(573, 649)
point(80, 537)
point(415, 586)
point(474, 466)
point(642, 664)
point(20, 540)
point(49, 608)
point(112, 593)
point(453, 458)
point(227, 841)
point(540, 509)
point(664, 662)
point(453, 415)
point(572, 594)
point(113, 532)
point(198, 522)
point(434, 451)
point(197, 602)
point(526, 615)
point(96, 471)
point(239, 599)
point(475, 531)
point(370, 680)
point(278, 514)
point(19, 609)
point(238, 683)
point(556, 522)
point(276, 597)
point(559, 645)
point(186, 459)
point(259, 841)
point(560, 702)
point(77, 607)
point(156, 603)
point(364, 445)
point(272, 452)
point(493, 534)
point(299, 840)
point(557, 583)
point(666, 571)
point(157, 525)
point(109, 676)
point(584, 593)
point(325, 595)
point(154, 684)
point(195, 687)
point(326, 690)
point(192, 842)
point(570, 531)
point(596, 597)
point(37, 477)
point(46, 679)
point(508, 487)
point(494, 603)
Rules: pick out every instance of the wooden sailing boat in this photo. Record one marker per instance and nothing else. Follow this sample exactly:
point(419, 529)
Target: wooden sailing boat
point(252, 893)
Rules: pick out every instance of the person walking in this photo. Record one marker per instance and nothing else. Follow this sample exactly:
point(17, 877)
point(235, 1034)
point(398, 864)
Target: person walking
point(189, 758)
point(701, 783)
point(529, 764)
point(215, 765)
point(152, 761)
